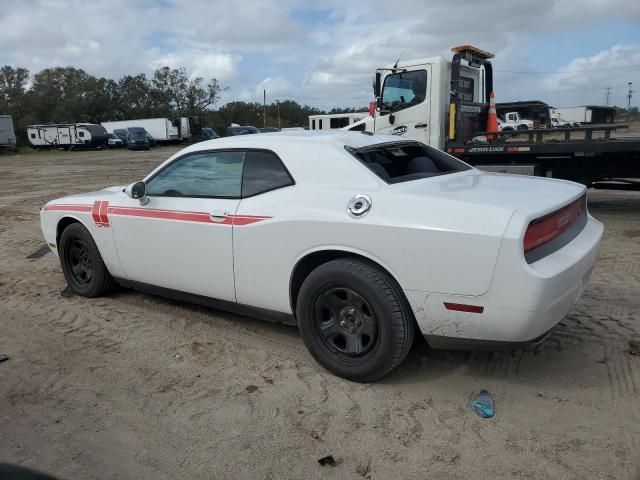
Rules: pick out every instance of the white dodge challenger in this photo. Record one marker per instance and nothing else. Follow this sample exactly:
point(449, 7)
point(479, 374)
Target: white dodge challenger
point(358, 240)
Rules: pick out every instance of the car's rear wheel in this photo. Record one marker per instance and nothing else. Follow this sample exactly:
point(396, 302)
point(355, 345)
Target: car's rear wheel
point(354, 319)
point(82, 265)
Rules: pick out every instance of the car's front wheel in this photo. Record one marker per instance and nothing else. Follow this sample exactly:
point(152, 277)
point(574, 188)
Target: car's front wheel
point(354, 319)
point(82, 265)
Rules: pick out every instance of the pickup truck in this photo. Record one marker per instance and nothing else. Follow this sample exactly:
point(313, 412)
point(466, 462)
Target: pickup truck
point(512, 122)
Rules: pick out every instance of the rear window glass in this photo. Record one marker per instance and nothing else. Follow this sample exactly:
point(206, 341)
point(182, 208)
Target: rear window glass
point(263, 172)
point(403, 161)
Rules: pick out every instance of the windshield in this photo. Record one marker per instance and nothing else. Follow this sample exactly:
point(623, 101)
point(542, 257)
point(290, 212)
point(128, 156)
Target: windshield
point(403, 90)
point(396, 162)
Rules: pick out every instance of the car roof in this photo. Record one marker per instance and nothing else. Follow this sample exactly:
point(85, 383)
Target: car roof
point(274, 140)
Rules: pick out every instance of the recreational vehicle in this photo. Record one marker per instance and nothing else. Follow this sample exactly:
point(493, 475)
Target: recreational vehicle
point(67, 135)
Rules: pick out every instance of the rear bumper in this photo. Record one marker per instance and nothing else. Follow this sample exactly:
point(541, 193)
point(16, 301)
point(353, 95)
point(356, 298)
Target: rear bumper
point(524, 300)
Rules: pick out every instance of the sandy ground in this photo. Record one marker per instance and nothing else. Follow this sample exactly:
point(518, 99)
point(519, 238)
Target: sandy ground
point(135, 386)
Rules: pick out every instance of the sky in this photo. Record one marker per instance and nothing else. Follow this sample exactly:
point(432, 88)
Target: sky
point(324, 52)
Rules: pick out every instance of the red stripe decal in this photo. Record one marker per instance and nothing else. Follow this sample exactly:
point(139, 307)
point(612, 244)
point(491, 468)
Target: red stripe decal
point(101, 210)
point(103, 213)
point(162, 214)
point(68, 208)
point(95, 212)
point(247, 220)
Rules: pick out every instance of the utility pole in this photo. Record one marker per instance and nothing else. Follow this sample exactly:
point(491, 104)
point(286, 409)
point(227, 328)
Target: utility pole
point(264, 106)
point(278, 104)
point(608, 94)
point(629, 95)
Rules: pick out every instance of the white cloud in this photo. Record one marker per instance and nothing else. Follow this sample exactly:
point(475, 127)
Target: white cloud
point(277, 89)
point(328, 63)
point(199, 63)
point(584, 80)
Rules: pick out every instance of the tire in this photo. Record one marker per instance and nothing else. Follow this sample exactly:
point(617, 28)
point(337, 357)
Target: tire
point(523, 127)
point(82, 264)
point(346, 299)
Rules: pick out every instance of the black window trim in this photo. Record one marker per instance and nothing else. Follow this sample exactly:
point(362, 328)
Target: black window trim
point(223, 150)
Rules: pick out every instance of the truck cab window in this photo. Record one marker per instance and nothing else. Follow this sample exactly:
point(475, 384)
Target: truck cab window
point(403, 90)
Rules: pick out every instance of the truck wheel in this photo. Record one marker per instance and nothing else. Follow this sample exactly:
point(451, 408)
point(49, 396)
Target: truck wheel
point(82, 264)
point(354, 319)
point(523, 127)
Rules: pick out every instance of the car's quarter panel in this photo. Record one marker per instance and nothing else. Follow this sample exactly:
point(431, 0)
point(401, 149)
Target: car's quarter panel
point(445, 256)
point(176, 243)
point(90, 209)
point(524, 300)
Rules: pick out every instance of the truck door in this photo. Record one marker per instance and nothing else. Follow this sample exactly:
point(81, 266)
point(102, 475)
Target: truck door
point(406, 104)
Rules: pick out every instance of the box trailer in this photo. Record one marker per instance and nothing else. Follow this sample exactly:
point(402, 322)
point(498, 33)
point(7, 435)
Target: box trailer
point(161, 129)
point(7, 134)
point(67, 135)
point(588, 114)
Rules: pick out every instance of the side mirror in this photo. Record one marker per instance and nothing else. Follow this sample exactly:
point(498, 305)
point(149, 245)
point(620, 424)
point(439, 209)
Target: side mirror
point(376, 84)
point(138, 191)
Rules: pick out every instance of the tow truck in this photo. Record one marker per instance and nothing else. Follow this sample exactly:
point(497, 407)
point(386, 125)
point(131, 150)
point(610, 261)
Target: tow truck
point(444, 103)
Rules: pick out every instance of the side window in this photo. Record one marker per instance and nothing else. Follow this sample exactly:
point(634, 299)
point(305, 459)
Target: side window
point(313, 124)
point(209, 174)
point(360, 127)
point(319, 124)
point(263, 172)
point(404, 90)
point(334, 122)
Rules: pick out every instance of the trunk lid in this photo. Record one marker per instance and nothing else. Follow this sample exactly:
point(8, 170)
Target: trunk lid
point(533, 196)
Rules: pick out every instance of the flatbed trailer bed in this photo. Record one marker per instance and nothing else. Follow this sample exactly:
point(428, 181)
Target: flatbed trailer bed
point(594, 158)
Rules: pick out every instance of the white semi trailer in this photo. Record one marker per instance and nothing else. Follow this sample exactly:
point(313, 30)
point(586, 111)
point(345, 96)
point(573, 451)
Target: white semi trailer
point(588, 114)
point(67, 135)
point(7, 134)
point(162, 129)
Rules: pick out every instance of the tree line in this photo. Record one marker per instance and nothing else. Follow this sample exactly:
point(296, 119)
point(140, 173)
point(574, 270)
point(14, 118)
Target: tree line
point(71, 95)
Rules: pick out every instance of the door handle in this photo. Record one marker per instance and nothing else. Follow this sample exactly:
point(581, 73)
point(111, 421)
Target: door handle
point(218, 215)
point(421, 125)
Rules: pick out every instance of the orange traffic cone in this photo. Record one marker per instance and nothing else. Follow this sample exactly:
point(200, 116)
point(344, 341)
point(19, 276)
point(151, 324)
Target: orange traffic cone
point(492, 117)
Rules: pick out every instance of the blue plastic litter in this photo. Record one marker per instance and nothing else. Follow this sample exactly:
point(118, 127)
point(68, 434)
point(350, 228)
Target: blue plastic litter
point(482, 404)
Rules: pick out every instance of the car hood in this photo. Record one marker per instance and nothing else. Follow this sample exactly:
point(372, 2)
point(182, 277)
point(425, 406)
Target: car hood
point(90, 197)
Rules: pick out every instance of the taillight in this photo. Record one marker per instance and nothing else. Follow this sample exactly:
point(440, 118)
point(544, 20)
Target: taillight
point(546, 228)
